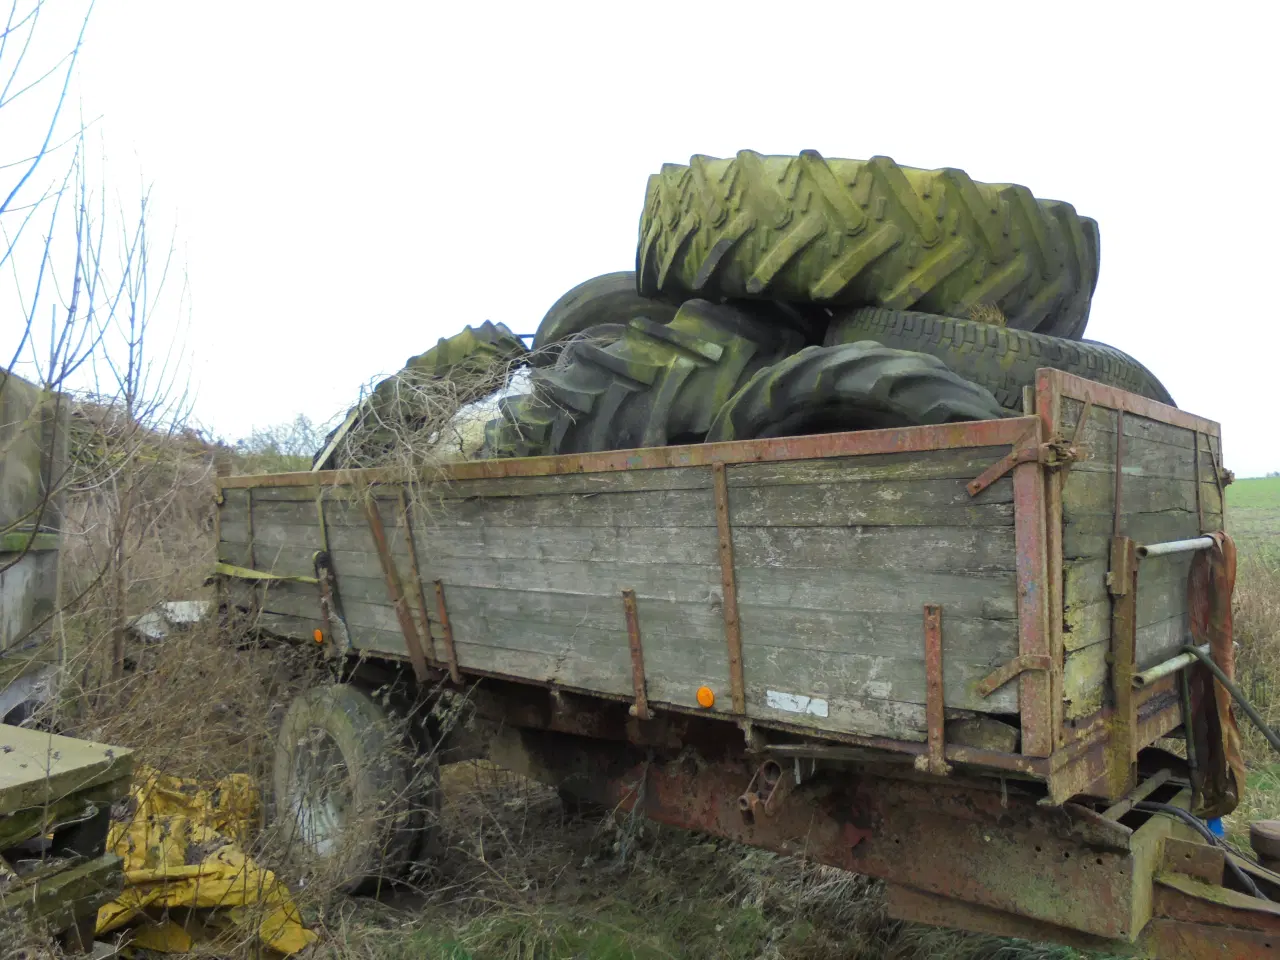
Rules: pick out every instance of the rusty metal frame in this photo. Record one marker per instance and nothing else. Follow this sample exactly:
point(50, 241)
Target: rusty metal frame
point(935, 695)
point(953, 853)
point(395, 590)
point(446, 632)
point(729, 588)
point(640, 708)
point(978, 433)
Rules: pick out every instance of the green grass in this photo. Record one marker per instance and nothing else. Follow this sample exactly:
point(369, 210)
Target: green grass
point(1253, 517)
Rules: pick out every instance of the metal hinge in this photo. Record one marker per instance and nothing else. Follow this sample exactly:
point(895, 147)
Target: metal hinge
point(1056, 453)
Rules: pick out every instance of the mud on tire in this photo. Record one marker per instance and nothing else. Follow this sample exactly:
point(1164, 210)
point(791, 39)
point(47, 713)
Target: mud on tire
point(866, 233)
point(354, 801)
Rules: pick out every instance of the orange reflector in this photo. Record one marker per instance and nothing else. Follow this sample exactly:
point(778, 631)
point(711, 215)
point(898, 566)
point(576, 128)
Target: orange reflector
point(319, 635)
point(706, 697)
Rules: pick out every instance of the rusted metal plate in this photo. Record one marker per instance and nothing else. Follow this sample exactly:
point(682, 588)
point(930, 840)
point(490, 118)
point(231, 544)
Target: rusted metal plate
point(1191, 941)
point(935, 706)
point(978, 433)
point(1197, 860)
point(1054, 865)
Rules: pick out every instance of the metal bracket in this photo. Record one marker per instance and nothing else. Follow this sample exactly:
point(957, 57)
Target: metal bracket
point(769, 786)
point(446, 628)
point(1018, 665)
point(639, 709)
point(1056, 453)
point(395, 591)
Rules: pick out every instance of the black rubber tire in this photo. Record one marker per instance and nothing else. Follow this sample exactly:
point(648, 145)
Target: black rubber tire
point(477, 354)
point(1002, 360)
point(389, 794)
point(865, 233)
point(610, 298)
point(854, 386)
point(659, 384)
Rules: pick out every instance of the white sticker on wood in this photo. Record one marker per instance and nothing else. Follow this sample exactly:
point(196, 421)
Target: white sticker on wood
point(795, 703)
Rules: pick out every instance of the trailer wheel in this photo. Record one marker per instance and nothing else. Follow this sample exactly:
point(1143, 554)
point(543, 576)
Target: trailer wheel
point(610, 298)
point(854, 386)
point(865, 232)
point(354, 800)
point(1000, 359)
point(657, 384)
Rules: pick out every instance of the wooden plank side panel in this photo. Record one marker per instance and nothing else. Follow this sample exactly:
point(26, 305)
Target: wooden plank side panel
point(834, 560)
point(844, 565)
point(1166, 491)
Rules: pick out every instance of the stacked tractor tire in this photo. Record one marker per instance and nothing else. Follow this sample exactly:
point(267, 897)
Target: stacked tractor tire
point(785, 295)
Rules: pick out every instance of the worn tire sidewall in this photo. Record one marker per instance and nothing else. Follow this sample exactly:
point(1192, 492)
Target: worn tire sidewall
point(379, 836)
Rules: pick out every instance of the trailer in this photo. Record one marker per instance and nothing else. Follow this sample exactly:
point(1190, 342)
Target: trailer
point(976, 660)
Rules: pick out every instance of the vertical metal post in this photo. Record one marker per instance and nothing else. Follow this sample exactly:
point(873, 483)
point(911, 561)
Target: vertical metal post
point(639, 709)
point(450, 653)
point(395, 590)
point(1122, 581)
point(732, 627)
point(417, 576)
point(1115, 519)
point(935, 697)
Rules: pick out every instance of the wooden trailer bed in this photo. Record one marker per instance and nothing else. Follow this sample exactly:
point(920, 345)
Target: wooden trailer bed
point(859, 587)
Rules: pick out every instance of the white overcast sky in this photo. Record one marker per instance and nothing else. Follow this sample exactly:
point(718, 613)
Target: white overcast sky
point(352, 181)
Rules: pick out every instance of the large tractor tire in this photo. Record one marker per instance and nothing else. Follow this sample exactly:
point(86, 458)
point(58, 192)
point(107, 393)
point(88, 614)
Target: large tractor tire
point(607, 299)
point(866, 233)
point(658, 384)
point(353, 803)
point(854, 386)
point(476, 361)
point(1002, 360)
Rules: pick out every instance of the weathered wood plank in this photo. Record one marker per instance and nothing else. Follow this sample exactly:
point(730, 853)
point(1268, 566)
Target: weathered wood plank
point(917, 549)
point(869, 677)
point(866, 717)
point(1089, 535)
point(1086, 493)
point(891, 635)
point(929, 503)
point(879, 591)
point(679, 582)
point(963, 463)
point(1102, 424)
point(1086, 672)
